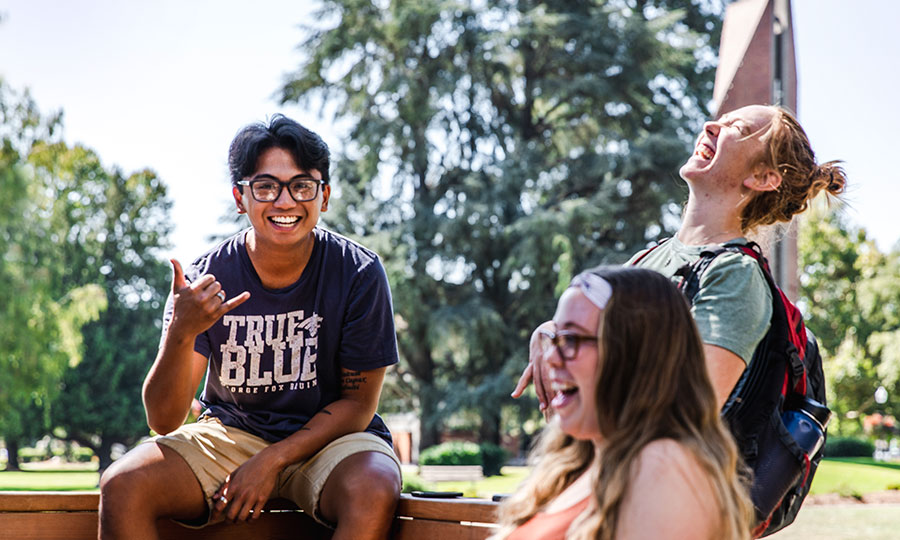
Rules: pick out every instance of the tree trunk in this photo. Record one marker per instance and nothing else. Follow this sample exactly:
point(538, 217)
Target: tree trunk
point(489, 432)
point(104, 453)
point(12, 448)
point(430, 425)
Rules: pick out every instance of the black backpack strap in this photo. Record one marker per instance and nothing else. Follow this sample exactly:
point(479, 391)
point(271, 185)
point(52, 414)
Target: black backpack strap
point(692, 272)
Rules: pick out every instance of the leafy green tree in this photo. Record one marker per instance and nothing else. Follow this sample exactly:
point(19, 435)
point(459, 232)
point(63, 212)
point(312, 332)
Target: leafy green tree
point(115, 226)
point(850, 298)
point(833, 258)
point(40, 320)
point(93, 235)
point(879, 302)
point(494, 149)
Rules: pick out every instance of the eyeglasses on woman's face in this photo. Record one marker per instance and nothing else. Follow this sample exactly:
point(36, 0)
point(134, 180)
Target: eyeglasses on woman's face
point(268, 189)
point(565, 341)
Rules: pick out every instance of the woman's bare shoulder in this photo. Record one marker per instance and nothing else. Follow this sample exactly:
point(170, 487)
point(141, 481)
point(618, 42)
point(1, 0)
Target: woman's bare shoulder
point(669, 495)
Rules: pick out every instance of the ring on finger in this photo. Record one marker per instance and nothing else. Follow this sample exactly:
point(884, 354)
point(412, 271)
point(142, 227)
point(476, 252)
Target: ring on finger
point(221, 295)
point(223, 500)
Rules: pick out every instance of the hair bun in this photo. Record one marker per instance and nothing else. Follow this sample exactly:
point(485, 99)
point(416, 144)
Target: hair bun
point(832, 177)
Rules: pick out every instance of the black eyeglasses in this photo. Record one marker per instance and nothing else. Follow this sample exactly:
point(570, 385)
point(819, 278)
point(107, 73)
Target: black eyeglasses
point(269, 189)
point(566, 342)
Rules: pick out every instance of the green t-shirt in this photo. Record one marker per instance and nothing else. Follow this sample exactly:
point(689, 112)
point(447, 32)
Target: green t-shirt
point(733, 306)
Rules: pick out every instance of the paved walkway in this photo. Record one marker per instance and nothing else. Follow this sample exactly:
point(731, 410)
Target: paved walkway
point(831, 517)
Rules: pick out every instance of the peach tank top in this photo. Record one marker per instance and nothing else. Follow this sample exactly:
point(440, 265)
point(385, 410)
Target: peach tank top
point(549, 526)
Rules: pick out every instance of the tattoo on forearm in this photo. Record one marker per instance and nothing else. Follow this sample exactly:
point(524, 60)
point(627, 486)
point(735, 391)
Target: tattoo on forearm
point(351, 380)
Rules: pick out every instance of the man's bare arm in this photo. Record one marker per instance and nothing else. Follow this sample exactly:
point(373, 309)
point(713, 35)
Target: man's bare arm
point(177, 371)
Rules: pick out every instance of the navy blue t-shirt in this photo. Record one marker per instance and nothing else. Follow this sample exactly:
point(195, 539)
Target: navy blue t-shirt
point(276, 359)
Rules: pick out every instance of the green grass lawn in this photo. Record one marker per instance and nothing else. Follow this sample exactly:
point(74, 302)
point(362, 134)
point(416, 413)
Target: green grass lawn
point(49, 480)
point(855, 476)
point(847, 476)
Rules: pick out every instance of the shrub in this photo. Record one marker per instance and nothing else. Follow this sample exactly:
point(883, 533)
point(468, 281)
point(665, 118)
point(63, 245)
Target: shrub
point(490, 456)
point(412, 483)
point(451, 453)
point(82, 454)
point(493, 458)
point(28, 455)
point(848, 447)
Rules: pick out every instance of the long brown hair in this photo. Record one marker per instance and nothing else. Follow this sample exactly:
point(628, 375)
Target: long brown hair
point(652, 384)
point(789, 152)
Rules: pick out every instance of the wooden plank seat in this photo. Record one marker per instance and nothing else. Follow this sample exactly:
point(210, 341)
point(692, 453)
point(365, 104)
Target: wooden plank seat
point(73, 516)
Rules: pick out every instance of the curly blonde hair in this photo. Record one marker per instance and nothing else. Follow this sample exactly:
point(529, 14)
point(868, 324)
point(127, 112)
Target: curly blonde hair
point(788, 152)
point(653, 385)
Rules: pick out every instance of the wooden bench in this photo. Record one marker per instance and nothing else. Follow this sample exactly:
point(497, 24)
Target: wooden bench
point(73, 516)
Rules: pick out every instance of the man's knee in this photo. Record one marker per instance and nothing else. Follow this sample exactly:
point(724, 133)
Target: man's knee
point(365, 481)
point(123, 498)
point(152, 481)
point(122, 481)
point(382, 480)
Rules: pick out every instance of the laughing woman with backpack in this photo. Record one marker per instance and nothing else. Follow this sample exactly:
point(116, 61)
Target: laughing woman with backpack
point(750, 168)
point(637, 448)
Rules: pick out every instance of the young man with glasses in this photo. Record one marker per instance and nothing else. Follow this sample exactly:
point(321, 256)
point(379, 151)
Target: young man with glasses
point(292, 326)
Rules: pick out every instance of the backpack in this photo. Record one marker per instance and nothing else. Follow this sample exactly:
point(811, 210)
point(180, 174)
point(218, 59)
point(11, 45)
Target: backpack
point(785, 375)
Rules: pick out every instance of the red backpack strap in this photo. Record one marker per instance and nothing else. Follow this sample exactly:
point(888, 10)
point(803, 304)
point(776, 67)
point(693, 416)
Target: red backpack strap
point(648, 250)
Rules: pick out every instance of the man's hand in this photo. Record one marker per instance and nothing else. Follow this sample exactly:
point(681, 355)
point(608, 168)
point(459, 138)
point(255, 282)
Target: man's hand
point(178, 369)
point(198, 305)
point(536, 372)
point(246, 490)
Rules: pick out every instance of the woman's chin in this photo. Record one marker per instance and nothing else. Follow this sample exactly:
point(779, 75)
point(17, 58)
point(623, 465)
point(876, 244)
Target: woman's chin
point(691, 171)
point(579, 428)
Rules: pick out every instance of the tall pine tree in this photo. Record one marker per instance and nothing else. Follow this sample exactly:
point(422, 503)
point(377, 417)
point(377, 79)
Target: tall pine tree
point(494, 148)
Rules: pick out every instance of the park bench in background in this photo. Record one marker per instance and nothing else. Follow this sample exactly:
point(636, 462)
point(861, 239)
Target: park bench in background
point(73, 516)
point(453, 473)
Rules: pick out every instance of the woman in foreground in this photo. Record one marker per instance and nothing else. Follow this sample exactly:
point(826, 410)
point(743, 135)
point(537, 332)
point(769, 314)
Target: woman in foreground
point(636, 449)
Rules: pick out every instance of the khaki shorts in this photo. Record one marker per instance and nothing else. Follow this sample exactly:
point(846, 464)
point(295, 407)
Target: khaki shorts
point(213, 451)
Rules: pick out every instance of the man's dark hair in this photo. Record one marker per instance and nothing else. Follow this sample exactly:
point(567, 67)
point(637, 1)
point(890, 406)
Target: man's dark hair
point(306, 147)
